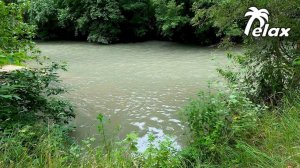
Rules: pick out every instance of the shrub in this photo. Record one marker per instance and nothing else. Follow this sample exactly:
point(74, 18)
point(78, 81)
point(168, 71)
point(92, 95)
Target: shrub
point(30, 95)
point(217, 122)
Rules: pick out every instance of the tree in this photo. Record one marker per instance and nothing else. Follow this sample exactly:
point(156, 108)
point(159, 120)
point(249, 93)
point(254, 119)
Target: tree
point(104, 21)
point(98, 19)
point(51, 18)
point(269, 66)
point(138, 22)
point(203, 21)
point(169, 17)
point(16, 35)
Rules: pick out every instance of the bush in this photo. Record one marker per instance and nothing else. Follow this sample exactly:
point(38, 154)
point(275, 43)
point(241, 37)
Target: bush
point(217, 122)
point(28, 96)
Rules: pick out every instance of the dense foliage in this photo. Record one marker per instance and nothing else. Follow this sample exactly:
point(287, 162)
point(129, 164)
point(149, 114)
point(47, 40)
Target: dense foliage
point(27, 96)
point(270, 65)
point(218, 122)
point(124, 20)
point(15, 42)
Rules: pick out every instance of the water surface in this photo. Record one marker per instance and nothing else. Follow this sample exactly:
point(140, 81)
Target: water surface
point(139, 87)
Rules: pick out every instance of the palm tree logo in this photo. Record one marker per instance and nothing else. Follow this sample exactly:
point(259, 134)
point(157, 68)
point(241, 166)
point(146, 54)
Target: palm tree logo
point(261, 15)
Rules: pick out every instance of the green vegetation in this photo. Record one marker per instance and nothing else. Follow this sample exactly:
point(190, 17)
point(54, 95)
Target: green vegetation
point(252, 123)
point(219, 122)
point(124, 20)
point(230, 131)
point(15, 43)
point(233, 140)
point(270, 65)
point(28, 97)
point(40, 146)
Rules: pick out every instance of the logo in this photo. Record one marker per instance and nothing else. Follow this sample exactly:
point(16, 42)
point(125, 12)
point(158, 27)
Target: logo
point(264, 29)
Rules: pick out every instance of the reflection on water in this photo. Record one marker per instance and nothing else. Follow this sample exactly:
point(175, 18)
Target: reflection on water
point(139, 87)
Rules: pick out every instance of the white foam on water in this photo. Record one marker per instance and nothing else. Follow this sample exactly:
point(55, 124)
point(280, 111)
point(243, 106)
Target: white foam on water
point(143, 142)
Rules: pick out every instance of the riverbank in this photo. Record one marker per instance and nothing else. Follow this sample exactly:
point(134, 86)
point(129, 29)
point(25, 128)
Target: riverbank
point(270, 141)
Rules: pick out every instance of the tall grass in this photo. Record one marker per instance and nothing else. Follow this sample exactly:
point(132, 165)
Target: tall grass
point(50, 146)
point(277, 139)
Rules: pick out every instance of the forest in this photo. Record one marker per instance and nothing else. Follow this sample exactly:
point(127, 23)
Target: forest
point(127, 21)
point(251, 120)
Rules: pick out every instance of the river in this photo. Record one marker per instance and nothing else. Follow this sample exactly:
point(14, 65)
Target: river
point(138, 86)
